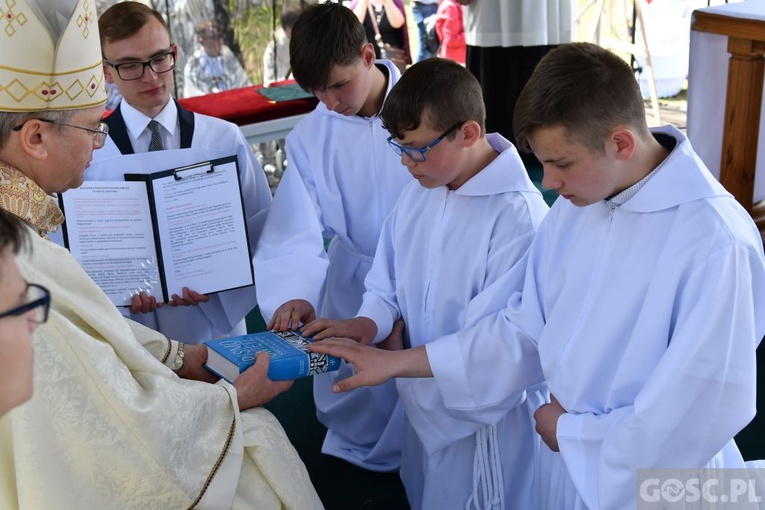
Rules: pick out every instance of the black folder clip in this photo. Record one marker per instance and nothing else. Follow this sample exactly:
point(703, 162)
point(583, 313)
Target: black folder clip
point(193, 170)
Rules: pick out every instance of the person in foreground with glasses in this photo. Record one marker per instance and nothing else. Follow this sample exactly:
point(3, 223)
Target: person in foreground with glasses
point(109, 424)
point(139, 59)
point(466, 221)
point(23, 306)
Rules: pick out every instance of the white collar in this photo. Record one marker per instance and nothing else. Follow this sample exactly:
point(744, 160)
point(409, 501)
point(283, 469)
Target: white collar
point(136, 122)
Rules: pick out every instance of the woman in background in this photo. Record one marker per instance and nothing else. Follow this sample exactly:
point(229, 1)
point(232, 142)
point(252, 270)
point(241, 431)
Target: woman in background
point(390, 19)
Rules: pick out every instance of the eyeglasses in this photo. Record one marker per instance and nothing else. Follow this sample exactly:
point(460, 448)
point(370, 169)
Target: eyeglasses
point(37, 299)
point(99, 132)
point(418, 154)
point(161, 63)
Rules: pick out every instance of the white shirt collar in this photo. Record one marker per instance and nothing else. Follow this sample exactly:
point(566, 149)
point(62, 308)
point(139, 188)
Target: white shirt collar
point(136, 122)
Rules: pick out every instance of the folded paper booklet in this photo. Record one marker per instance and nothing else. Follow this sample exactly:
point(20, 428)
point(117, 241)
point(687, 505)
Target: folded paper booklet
point(161, 231)
point(290, 357)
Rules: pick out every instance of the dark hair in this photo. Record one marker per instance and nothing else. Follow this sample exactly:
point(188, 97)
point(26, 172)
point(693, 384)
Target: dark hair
point(123, 20)
point(207, 29)
point(583, 88)
point(438, 90)
point(289, 17)
point(12, 233)
point(324, 35)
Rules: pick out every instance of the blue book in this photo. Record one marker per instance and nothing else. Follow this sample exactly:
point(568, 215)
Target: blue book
point(290, 357)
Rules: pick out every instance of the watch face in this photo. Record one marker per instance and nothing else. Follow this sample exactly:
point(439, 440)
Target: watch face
point(178, 361)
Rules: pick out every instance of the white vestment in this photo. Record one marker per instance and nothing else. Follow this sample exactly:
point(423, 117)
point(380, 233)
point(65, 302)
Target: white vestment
point(646, 319)
point(224, 314)
point(342, 181)
point(519, 22)
point(110, 426)
point(204, 74)
point(439, 250)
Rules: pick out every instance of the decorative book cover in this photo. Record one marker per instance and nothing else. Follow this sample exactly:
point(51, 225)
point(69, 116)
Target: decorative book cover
point(290, 357)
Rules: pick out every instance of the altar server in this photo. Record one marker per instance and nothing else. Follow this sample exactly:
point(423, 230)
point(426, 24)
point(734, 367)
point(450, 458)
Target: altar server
point(109, 424)
point(467, 219)
point(341, 183)
point(644, 294)
point(139, 58)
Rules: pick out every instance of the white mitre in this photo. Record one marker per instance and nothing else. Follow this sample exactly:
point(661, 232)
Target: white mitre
point(50, 56)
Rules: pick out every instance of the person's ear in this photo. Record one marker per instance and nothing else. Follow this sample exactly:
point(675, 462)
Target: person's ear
point(108, 73)
point(623, 142)
point(471, 132)
point(368, 55)
point(32, 138)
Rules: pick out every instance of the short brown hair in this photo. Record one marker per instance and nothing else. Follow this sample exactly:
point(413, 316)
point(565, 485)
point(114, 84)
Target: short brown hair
point(12, 233)
point(124, 20)
point(324, 35)
point(438, 89)
point(583, 88)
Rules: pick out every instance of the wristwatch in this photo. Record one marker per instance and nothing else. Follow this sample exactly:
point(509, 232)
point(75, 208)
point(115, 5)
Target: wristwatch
point(178, 361)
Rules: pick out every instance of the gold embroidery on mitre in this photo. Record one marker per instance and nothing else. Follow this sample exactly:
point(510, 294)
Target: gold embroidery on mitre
point(40, 70)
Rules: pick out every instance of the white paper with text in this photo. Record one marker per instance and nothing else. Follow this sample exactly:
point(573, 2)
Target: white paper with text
point(202, 230)
point(109, 231)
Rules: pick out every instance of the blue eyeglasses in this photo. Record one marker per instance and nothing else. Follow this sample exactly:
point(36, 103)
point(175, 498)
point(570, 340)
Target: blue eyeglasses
point(38, 299)
point(418, 154)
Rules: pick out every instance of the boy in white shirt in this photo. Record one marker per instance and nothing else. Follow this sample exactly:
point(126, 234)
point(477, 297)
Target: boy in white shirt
point(644, 295)
point(466, 221)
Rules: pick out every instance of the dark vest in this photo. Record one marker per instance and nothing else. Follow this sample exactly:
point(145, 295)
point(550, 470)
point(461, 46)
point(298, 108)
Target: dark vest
point(118, 131)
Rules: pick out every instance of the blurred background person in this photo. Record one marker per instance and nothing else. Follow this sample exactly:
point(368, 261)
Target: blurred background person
point(451, 31)
point(505, 41)
point(213, 67)
point(422, 10)
point(388, 18)
point(276, 59)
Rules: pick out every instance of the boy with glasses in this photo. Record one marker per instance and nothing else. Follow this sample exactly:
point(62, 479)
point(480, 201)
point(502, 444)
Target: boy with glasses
point(466, 221)
point(22, 307)
point(341, 183)
point(643, 295)
point(139, 59)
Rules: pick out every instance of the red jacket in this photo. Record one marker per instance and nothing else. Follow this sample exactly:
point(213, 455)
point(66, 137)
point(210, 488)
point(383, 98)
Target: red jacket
point(451, 31)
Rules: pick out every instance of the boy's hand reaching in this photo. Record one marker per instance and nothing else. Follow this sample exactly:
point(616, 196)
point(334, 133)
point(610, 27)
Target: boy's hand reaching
point(291, 314)
point(374, 366)
point(360, 329)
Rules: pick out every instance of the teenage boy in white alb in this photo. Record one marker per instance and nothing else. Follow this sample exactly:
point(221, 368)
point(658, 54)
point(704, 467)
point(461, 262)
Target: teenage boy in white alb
point(467, 220)
point(644, 294)
point(341, 183)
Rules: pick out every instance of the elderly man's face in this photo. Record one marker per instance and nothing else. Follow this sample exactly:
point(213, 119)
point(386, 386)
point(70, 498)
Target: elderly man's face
point(69, 152)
